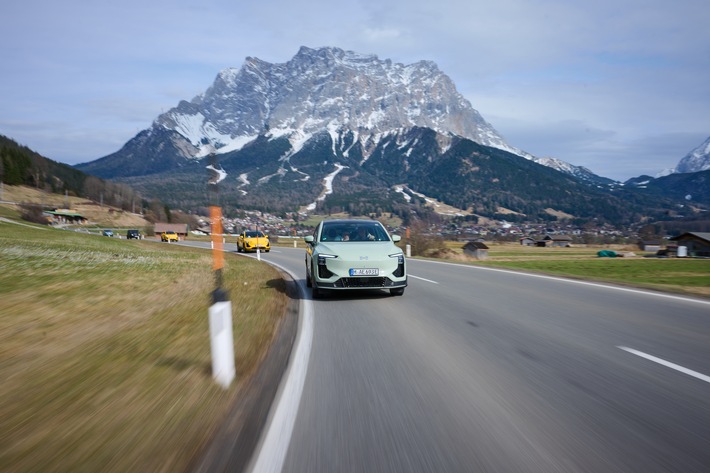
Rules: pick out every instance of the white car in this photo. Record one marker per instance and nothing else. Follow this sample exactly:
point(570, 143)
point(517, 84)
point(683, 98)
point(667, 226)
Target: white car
point(344, 255)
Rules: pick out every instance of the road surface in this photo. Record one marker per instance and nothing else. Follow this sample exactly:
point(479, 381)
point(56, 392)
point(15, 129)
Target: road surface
point(482, 370)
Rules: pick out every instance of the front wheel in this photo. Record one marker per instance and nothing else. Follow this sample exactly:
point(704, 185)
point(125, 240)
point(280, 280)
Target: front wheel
point(397, 291)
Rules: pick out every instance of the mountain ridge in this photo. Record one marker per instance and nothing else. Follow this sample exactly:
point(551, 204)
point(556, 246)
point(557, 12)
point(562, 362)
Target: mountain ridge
point(281, 131)
point(278, 99)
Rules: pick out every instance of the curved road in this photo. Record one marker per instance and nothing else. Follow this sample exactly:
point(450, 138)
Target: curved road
point(482, 370)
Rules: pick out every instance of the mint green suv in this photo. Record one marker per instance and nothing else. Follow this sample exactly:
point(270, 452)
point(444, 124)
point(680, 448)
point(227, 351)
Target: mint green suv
point(344, 255)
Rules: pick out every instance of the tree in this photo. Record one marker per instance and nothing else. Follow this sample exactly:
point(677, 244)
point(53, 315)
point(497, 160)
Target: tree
point(420, 241)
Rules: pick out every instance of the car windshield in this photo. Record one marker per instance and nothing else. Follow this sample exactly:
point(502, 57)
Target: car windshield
point(254, 234)
point(366, 231)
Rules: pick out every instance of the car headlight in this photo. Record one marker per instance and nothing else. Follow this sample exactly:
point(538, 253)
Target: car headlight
point(399, 272)
point(323, 271)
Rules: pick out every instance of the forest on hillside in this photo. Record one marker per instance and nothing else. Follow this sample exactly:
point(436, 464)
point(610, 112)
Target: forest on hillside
point(20, 165)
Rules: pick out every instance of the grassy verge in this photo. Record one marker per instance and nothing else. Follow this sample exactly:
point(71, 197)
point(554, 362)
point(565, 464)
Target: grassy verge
point(679, 275)
point(104, 349)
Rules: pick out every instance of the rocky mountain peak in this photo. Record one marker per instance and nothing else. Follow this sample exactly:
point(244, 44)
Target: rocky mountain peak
point(697, 160)
point(326, 89)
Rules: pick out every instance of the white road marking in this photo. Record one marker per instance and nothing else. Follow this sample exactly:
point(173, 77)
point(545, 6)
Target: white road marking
point(572, 281)
point(271, 452)
point(667, 364)
point(423, 279)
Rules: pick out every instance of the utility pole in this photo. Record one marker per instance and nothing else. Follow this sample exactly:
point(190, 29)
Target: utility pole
point(220, 312)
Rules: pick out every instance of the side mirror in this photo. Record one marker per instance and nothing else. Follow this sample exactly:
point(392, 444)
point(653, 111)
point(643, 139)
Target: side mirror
point(308, 239)
point(396, 238)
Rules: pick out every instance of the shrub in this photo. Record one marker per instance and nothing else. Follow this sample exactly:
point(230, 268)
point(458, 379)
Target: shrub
point(424, 244)
point(33, 213)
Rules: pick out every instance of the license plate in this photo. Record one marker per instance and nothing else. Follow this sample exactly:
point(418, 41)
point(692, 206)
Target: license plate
point(364, 272)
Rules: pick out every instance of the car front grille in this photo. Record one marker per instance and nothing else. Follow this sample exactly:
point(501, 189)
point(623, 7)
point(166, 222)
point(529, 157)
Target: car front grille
point(361, 282)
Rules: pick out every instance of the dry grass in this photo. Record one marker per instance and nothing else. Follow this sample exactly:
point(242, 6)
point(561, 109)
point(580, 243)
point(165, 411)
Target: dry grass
point(104, 349)
point(679, 275)
point(97, 214)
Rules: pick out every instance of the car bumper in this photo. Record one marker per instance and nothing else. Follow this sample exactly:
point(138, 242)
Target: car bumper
point(362, 283)
point(337, 275)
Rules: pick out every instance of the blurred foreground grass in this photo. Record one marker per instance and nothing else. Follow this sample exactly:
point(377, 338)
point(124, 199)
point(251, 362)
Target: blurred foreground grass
point(105, 351)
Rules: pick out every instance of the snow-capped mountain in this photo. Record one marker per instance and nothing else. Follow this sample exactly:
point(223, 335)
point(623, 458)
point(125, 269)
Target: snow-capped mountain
point(330, 89)
point(339, 130)
point(324, 89)
point(579, 172)
point(697, 160)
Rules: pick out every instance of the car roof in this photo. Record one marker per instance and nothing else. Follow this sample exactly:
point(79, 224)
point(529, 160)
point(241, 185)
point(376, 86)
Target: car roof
point(350, 221)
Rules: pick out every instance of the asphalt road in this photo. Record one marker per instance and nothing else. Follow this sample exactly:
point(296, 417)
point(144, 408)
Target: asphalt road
point(479, 370)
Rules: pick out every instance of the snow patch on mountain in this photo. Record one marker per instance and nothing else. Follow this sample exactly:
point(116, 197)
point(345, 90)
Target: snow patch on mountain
point(436, 205)
point(235, 144)
point(220, 174)
point(327, 187)
point(400, 190)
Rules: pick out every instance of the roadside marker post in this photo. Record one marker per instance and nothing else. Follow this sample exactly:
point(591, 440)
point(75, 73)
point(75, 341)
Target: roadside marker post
point(220, 312)
point(221, 343)
point(258, 252)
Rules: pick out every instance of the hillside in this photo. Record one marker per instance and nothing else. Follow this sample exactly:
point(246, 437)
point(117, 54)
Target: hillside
point(336, 131)
point(20, 166)
point(104, 216)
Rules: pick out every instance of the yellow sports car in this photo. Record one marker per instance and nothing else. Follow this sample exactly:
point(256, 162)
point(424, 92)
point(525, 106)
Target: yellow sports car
point(251, 240)
point(169, 236)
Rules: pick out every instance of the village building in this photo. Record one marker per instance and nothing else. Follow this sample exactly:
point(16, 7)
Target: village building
point(180, 228)
point(649, 245)
point(476, 249)
point(694, 244)
point(527, 241)
point(560, 241)
point(65, 217)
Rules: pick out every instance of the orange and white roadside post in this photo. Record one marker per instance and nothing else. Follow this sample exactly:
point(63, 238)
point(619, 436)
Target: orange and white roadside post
point(220, 312)
point(217, 247)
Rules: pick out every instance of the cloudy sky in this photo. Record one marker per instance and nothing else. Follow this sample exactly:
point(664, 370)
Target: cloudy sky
point(622, 88)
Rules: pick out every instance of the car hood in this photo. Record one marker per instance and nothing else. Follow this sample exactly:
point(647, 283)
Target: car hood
point(355, 249)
